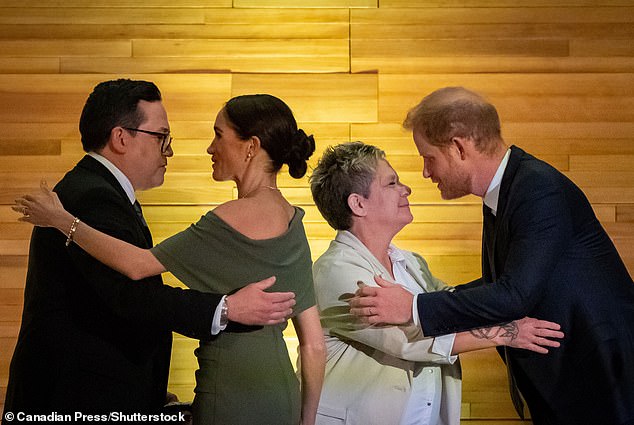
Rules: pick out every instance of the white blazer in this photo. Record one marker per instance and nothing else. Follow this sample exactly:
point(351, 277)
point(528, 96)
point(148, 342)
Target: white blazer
point(369, 368)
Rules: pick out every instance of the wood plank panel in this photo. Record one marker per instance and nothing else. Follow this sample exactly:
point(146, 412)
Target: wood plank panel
point(621, 230)
point(29, 147)
point(305, 3)
point(455, 269)
point(15, 230)
point(10, 313)
point(167, 4)
point(490, 64)
point(314, 63)
point(387, 49)
point(244, 55)
point(601, 48)
point(610, 195)
point(13, 277)
point(625, 213)
point(12, 296)
point(502, 3)
point(21, 182)
point(44, 107)
point(318, 98)
point(394, 29)
point(13, 248)
point(55, 48)
point(158, 23)
point(99, 15)
point(7, 345)
point(518, 84)
point(36, 163)
point(580, 130)
point(41, 131)
point(82, 84)
point(10, 65)
point(584, 146)
point(10, 329)
point(485, 14)
point(393, 107)
point(623, 163)
point(217, 30)
point(600, 178)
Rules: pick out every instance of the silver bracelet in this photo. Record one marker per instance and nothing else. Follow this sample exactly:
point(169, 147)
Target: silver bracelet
point(224, 313)
point(71, 232)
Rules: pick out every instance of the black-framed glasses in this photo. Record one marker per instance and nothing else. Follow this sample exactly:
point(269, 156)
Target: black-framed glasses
point(165, 138)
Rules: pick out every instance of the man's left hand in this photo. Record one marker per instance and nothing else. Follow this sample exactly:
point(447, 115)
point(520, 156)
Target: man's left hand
point(388, 304)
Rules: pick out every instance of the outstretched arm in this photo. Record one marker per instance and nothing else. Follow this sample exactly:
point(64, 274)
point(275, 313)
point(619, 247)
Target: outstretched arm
point(250, 305)
point(390, 303)
point(44, 209)
point(527, 333)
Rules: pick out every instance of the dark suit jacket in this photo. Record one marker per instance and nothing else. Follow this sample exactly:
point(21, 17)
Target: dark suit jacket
point(92, 340)
point(552, 260)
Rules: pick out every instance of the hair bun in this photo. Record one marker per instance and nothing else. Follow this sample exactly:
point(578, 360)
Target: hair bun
point(302, 147)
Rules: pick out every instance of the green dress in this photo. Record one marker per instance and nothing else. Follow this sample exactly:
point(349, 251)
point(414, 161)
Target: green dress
point(244, 378)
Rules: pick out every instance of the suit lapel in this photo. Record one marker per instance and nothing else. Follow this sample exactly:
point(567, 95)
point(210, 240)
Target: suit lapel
point(347, 238)
point(491, 223)
point(94, 166)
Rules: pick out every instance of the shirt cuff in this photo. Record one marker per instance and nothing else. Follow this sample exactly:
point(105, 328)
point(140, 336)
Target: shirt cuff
point(216, 328)
point(415, 317)
point(443, 345)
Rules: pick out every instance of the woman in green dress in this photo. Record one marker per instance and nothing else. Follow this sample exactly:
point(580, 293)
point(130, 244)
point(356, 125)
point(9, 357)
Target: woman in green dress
point(243, 377)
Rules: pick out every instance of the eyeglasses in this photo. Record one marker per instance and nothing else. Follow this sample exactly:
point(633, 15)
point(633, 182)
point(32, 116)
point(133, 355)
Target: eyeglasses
point(164, 138)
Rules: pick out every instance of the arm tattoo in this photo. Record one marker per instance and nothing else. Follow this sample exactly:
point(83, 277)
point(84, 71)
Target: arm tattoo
point(508, 330)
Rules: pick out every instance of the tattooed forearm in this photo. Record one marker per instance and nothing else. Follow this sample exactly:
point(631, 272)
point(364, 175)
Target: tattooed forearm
point(508, 331)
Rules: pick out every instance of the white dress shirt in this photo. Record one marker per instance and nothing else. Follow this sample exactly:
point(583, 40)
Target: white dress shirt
point(423, 406)
point(492, 195)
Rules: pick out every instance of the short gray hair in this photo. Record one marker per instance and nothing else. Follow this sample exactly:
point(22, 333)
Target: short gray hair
point(342, 170)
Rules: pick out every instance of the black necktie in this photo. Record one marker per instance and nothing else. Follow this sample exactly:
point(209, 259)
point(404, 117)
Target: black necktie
point(489, 237)
point(139, 212)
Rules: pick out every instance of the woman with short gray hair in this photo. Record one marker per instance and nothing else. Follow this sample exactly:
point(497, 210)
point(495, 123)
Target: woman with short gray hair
point(386, 374)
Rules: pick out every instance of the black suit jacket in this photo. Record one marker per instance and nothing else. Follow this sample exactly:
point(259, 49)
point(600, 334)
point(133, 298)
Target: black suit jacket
point(551, 259)
point(91, 340)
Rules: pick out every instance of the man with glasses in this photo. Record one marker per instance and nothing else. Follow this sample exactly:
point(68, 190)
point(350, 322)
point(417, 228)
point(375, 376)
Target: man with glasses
point(91, 340)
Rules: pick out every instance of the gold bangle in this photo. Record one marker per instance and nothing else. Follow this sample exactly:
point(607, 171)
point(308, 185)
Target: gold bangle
point(71, 232)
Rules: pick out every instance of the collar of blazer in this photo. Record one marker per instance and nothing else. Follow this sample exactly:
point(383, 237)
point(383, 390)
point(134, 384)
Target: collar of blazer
point(511, 168)
point(346, 238)
point(91, 164)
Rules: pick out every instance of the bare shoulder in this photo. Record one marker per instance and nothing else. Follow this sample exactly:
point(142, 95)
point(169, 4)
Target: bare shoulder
point(256, 218)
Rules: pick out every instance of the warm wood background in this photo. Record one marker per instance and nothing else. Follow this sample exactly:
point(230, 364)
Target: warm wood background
point(560, 71)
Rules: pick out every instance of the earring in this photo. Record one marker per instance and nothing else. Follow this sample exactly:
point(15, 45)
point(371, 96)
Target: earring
point(248, 157)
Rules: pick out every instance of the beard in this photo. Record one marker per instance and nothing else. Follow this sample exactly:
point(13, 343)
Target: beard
point(455, 186)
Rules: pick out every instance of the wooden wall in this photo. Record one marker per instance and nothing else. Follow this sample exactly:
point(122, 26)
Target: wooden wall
point(560, 71)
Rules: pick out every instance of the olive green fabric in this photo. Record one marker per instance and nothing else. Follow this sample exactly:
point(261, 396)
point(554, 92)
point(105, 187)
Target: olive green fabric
point(244, 378)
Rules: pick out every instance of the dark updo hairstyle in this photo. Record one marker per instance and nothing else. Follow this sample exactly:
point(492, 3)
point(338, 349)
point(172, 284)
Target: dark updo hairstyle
point(272, 121)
